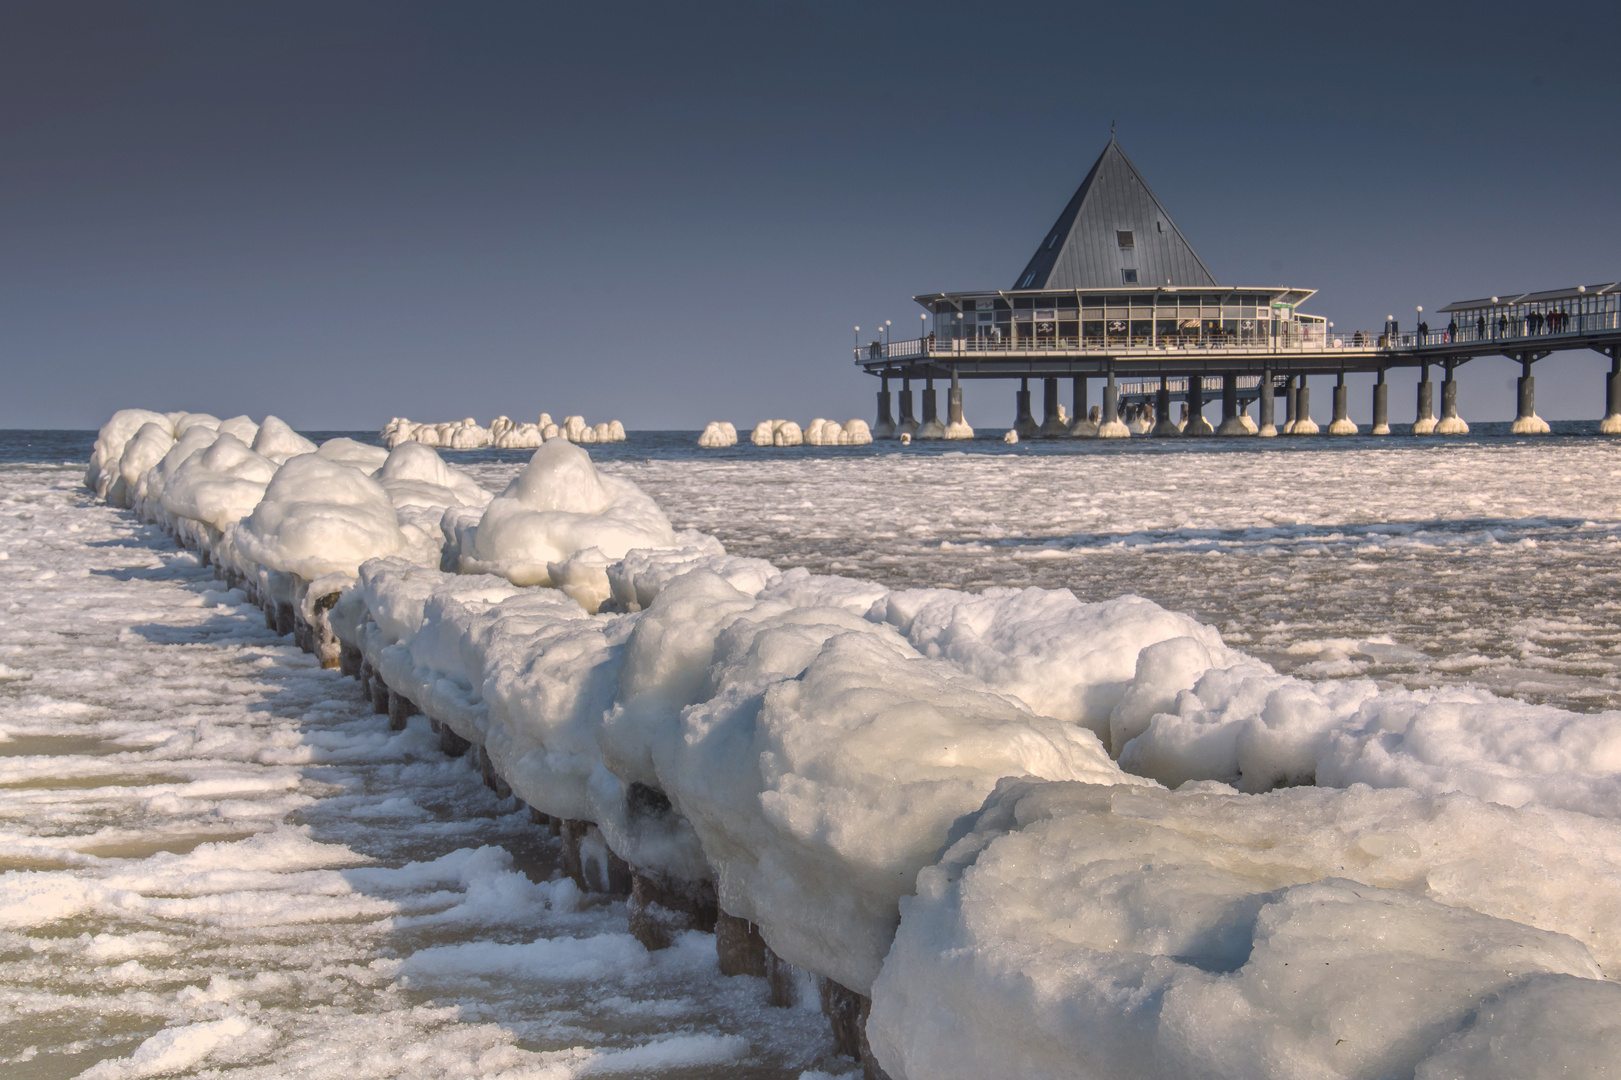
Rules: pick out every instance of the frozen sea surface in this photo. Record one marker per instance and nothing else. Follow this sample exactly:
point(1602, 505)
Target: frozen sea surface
point(1487, 560)
point(213, 856)
point(216, 858)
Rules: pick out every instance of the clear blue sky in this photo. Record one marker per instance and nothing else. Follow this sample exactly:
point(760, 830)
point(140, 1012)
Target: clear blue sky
point(340, 212)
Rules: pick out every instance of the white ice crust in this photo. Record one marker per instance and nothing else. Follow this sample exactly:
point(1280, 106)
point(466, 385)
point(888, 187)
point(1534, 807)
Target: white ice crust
point(558, 507)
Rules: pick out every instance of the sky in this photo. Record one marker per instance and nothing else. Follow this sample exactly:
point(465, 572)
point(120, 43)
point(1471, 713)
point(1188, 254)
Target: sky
point(340, 212)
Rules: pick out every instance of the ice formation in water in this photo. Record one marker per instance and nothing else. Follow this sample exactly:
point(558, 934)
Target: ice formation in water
point(503, 433)
point(718, 434)
point(961, 805)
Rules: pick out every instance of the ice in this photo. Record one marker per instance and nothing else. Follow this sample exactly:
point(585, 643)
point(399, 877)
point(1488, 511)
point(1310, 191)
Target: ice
point(1085, 931)
point(718, 433)
point(558, 506)
point(1063, 658)
point(278, 442)
point(817, 739)
point(831, 433)
point(108, 452)
point(777, 433)
point(362, 456)
point(318, 517)
point(819, 791)
point(144, 450)
point(1246, 725)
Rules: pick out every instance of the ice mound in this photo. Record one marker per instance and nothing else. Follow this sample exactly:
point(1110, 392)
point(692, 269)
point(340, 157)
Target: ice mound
point(507, 434)
point(777, 433)
point(278, 442)
point(1188, 718)
point(318, 517)
point(108, 451)
point(1076, 930)
point(636, 580)
point(144, 450)
point(829, 768)
point(558, 507)
point(363, 456)
point(146, 497)
point(831, 433)
point(503, 432)
point(219, 485)
point(1063, 658)
point(422, 488)
point(718, 433)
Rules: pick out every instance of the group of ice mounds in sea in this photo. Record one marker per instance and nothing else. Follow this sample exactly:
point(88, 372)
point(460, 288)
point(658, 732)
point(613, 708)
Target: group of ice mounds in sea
point(818, 432)
point(1043, 837)
point(504, 433)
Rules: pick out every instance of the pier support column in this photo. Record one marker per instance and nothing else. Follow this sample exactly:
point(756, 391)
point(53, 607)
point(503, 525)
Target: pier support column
point(1341, 424)
point(1269, 406)
point(932, 427)
point(1197, 424)
point(956, 426)
point(908, 421)
point(1163, 424)
point(1450, 423)
point(1051, 425)
point(1424, 423)
point(1291, 404)
point(1082, 427)
point(1304, 424)
point(885, 428)
point(1230, 423)
point(1024, 422)
point(1611, 424)
point(1110, 426)
point(1526, 420)
point(1381, 405)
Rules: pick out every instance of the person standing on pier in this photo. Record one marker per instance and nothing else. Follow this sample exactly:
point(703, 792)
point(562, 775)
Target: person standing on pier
point(1502, 326)
point(1452, 329)
point(1480, 327)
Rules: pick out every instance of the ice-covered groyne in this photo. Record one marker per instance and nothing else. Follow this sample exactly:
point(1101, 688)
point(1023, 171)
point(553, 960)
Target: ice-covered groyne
point(504, 433)
point(949, 808)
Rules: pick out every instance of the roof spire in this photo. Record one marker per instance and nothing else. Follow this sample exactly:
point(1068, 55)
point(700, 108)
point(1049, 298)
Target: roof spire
point(1111, 131)
point(1113, 233)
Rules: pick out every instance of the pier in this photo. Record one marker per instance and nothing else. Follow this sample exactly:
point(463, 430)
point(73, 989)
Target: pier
point(1115, 292)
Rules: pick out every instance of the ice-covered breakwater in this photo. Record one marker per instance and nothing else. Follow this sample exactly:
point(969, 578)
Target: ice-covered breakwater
point(936, 801)
point(504, 433)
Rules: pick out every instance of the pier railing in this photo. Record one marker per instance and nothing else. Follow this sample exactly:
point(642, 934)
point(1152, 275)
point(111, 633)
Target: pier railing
point(1508, 334)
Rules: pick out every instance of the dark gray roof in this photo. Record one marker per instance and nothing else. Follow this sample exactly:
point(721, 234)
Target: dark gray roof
point(1083, 248)
point(1510, 299)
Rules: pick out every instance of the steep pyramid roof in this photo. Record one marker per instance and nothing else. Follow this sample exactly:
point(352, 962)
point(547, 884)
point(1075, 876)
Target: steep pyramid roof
point(1113, 224)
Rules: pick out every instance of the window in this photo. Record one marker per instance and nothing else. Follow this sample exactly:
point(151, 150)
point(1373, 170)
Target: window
point(1126, 238)
point(1159, 226)
point(1129, 276)
point(1028, 278)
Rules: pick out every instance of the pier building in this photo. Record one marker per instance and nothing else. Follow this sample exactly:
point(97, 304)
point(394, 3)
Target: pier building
point(1116, 292)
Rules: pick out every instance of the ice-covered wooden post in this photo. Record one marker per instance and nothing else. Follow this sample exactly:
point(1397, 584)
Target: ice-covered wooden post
point(1341, 424)
point(1526, 420)
point(1424, 423)
point(1450, 423)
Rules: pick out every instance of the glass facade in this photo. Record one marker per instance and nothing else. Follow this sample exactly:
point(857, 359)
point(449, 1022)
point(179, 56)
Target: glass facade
point(1161, 319)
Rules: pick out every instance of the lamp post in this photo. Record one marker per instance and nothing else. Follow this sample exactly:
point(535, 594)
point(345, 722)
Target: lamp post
point(1417, 327)
point(858, 339)
point(889, 335)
